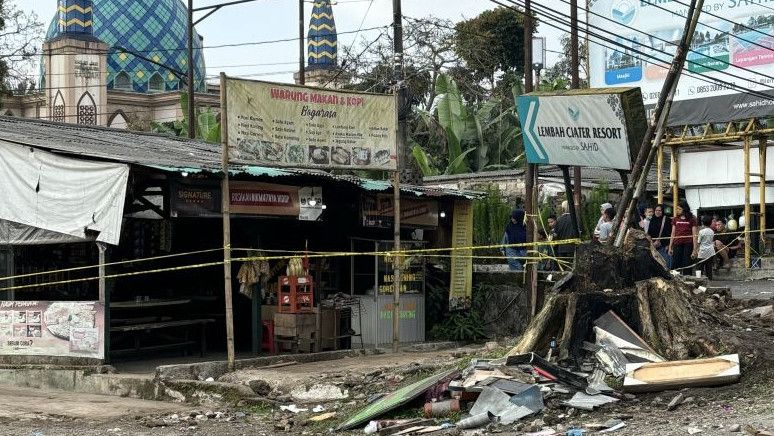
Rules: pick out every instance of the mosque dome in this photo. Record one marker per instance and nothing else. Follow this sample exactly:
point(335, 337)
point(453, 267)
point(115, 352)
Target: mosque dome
point(154, 29)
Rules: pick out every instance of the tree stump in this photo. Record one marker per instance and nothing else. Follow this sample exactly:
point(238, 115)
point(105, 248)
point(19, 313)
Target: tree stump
point(633, 282)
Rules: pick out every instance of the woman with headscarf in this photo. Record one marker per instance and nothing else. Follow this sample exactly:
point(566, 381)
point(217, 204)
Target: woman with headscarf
point(515, 233)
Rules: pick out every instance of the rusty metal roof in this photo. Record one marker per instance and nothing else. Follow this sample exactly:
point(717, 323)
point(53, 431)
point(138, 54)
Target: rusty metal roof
point(167, 153)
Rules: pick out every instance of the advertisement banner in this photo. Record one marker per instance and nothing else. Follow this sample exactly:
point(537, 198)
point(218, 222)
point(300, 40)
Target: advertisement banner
point(592, 128)
point(264, 199)
point(46, 328)
point(378, 211)
point(461, 286)
point(650, 30)
point(279, 125)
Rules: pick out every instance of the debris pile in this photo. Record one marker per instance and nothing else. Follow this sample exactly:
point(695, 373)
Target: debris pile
point(525, 392)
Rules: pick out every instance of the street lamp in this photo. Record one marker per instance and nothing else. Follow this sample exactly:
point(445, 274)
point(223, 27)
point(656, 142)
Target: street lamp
point(538, 56)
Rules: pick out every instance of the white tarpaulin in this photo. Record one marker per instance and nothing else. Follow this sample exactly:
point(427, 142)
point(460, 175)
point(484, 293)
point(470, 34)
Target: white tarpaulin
point(720, 167)
point(60, 194)
point(708, 197)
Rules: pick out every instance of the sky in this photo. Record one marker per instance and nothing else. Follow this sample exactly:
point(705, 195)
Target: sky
point(278, 19)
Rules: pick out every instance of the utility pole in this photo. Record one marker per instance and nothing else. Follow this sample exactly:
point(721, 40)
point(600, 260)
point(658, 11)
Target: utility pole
point(652, 140)
point(191, 81)
point(575, 84)
point(397, 23)
point(301, 44)
point(529, 183)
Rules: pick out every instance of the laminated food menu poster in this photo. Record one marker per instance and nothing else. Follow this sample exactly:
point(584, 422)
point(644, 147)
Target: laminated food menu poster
point(52, 328)
point(280, 125)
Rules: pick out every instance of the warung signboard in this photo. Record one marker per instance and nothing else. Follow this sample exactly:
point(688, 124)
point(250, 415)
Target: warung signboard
point(280, 125)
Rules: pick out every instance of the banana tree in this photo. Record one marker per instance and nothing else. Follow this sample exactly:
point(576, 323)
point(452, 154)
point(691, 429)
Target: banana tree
point(207, 124)
point(486, 137)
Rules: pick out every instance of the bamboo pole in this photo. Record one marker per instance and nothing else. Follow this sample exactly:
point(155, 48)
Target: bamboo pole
point(747, 248)
point(660, 174)
point(674, 178)
point(762, 171)
point(226, 211)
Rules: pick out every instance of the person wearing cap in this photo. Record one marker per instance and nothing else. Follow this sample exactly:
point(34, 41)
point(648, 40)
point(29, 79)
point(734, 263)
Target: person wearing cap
point(515, 233)
point(602, 209)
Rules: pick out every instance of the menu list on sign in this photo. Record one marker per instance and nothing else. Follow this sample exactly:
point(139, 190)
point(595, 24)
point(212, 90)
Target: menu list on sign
point(295, 126)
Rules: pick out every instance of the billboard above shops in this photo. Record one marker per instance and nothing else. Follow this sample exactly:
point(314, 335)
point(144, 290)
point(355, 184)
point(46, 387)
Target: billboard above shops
point(279, 125)
point(589, 127)
point(742, 38)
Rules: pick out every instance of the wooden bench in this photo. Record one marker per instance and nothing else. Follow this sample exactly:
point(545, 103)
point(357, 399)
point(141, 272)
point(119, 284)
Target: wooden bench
point(147, 327)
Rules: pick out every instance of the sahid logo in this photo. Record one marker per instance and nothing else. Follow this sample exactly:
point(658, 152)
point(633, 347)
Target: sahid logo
point(574, 112)
point(623, 11)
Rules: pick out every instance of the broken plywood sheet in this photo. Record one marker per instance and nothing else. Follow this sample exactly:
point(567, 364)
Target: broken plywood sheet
point(623, 336)
point(659, 376)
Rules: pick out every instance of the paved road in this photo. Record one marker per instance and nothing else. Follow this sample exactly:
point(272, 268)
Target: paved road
point(758, 289)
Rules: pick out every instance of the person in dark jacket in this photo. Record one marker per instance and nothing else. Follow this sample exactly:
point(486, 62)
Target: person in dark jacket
point(564, 230)
point(515, 233)
point(659, 230)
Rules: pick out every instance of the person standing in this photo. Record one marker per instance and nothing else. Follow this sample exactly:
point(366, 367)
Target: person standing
point(602, 209)
point(606, 229)
point(706, 247)
point(683, 245)
point(646, 219)
point(564, 231)
point(515, 233)
point(660, 230)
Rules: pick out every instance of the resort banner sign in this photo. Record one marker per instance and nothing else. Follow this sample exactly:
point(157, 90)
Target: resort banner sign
point(733, 36)
point(279, 125)
point(590, 127)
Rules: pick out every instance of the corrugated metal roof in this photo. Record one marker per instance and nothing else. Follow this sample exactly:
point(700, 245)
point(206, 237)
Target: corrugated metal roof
point(167, 153)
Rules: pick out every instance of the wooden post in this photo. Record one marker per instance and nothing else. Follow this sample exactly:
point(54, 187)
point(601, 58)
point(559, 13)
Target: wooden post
point(257, 325)
point(674, 178)
point(747, 220)
point(397, 263)
point(104, 298)
point(226, 208)
point(762, 187)
point(660, 174)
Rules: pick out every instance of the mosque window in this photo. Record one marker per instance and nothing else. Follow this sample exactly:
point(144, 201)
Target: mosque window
point(122, 81)
point(156, 83)
point(87, 110)
point(58, 110)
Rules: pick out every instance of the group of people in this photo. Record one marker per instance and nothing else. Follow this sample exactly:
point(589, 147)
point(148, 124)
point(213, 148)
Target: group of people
point(684, 241)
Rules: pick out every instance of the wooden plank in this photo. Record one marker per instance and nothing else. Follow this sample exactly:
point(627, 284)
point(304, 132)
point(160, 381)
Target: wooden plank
point(160, 325)
point(651, 377)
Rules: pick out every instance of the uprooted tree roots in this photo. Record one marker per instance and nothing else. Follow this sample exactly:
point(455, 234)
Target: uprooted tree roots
point(633, 282)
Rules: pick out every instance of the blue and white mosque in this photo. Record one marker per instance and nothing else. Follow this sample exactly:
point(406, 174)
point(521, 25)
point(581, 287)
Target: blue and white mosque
point(124, 63)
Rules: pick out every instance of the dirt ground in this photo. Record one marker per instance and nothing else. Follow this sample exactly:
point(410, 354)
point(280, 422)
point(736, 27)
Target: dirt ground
point(748, 404)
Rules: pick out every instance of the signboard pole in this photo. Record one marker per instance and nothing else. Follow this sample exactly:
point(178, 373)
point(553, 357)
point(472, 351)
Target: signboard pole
point(401, 159)
point(397, 265)
point(747, 208)
point(226, 210)
point(532, 169)
point(762, 193)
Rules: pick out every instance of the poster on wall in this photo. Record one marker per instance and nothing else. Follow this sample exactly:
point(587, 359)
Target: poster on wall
point(593, 128)
point(281, 125)
point(734, 36)
point(195, 199)
point(264, 199)
point(378, 211)
point(461, 286)
point(412, 272)
point(46, 328)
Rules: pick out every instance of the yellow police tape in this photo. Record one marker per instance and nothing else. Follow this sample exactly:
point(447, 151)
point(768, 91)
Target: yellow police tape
point(256, 258)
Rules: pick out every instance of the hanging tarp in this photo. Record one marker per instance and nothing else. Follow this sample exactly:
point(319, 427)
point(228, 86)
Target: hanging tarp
point(19, 234)
point(74, 197)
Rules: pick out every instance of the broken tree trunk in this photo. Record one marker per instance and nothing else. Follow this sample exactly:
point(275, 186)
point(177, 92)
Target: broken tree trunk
point(633, 282)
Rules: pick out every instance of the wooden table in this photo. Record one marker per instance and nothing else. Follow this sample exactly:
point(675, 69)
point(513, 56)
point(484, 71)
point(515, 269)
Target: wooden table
point(147, 327)
point(131, 304)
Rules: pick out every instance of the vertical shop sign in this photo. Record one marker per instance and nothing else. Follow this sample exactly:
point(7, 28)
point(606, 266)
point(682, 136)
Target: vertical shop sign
point(461, 286)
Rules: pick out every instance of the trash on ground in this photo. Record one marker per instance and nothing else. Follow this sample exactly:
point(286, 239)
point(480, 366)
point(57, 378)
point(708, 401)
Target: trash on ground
point(610, 328)
point(499, 404)
point(652, 377)
point(584, 401)
point(293, 409)
point(476, 421)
